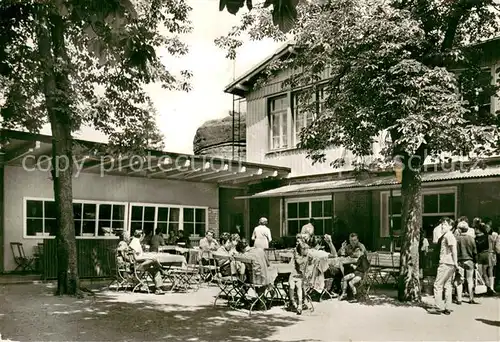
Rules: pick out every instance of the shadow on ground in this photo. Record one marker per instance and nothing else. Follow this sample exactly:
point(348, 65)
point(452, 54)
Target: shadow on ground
point(126, 317)
point(489, 322)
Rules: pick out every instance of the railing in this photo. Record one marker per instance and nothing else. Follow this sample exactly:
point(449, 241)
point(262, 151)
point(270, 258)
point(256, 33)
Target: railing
point(95, 258)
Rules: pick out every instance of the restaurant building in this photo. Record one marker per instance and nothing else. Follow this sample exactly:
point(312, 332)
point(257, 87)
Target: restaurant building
point(160, 191)
point(343, 200)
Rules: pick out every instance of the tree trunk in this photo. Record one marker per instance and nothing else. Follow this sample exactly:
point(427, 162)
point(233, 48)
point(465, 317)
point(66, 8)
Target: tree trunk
point(409, 282)
point(58, 103)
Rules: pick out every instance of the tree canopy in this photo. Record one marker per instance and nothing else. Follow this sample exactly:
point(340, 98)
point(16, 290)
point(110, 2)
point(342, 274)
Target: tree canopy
point(111, 50)
point(411, 68)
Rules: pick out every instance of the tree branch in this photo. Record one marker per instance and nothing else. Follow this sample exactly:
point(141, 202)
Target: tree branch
point(460, 10)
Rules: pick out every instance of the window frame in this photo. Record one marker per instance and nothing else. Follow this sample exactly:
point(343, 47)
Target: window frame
point(385, 203)
point(308, 200)
point(319, 100)
point(164, 205)
point(76, 201)
point(283, 128)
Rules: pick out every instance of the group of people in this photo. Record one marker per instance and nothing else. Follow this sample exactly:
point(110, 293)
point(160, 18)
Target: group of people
point(129, 251)
point(349, 276)
point(467, 255)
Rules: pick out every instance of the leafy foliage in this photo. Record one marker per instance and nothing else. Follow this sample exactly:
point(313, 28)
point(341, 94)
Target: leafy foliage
point(383, 68)
point(112, 51)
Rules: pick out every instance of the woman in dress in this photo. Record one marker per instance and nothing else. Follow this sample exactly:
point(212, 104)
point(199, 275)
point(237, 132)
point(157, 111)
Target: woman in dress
point(261, 234)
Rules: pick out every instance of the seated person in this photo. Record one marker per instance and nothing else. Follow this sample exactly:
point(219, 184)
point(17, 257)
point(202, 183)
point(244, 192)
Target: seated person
point(226, 266)
point(183, 240)
point(235, 238)
point(325, 243)
point(349, 249)
point(151, 266)
point(300, 262)
point(123, 261)
point(260, 263)
point(354, 273)
point(156, 241)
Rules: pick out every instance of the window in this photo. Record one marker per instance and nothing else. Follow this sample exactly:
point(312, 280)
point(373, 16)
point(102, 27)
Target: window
point(278, 109)
point(91, 218)
point(436, 203)
point(40, 218)
point(167, 219)
point(194, 221)
point(302, 117)
point(298, 213)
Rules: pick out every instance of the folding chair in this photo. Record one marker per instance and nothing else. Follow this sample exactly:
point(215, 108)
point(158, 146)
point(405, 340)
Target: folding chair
point(141, 276)
point(250, 282)
point(123, 273)
point(24, 263)
point(209, 270)
point(271, 254)
point(183, 278)
point(327, 290)
point(363, 289)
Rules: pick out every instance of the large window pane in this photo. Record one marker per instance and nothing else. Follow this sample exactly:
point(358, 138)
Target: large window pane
point(136, 213)
point(77, 211)
point(200, 215)
point(34, 209)
point(149, 214)
point(118, 224)
point(396, 224)
point(188, 229)
point(50, 209)
point(174, 215)
point(328, 208)
point(304, 209)
point(319, 227)
point(89, 211)
point(105, 211)
point(102, 226)
point(328, 226)
point(173, 228)
point(135, 226)
point(302, 223)
point(78, 227)
point(88, 228)
point(188, 215)
point(397, 205)
point(148, 227)
point(292, 211)
point(118, 212)
point(162, 214)
point(51, 226)
point(162, 228)
point(200, 229)
point(317, 209)
point(447, 203)
point(34, 226)
point(431, 204)
point(293, 227)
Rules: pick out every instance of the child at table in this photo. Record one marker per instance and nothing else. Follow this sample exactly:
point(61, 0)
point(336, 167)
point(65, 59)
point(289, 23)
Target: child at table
point(296, 280)
point(354, 273)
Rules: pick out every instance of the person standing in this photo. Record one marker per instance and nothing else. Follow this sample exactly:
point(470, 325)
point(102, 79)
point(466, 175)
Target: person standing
point(448, 264)
point(261, 234)
point(466, 255)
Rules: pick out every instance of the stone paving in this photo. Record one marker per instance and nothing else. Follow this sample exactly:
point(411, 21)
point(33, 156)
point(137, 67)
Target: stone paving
point(29, 312)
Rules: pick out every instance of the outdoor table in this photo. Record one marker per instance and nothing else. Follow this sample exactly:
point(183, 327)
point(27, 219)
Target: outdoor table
point(162, 258)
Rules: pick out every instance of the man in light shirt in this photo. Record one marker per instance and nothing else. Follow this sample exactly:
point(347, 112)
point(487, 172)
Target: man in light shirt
point(448, 264)
point(135, 243)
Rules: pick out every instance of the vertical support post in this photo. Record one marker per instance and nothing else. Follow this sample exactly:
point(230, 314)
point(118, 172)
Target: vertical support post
point(283, 221)
point(2, 211)
point(332, 231)
point(390, 221)
point(232, 139)
point(247, 219)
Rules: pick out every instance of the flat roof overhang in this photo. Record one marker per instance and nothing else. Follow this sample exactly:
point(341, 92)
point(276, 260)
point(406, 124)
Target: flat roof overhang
point(440, 178)
point(33, 151)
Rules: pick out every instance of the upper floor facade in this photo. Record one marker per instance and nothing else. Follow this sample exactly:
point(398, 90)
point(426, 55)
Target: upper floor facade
point(274, 119)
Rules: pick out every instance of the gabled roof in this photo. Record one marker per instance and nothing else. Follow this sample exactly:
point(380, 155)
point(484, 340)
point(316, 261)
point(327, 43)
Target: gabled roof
point(241, 85)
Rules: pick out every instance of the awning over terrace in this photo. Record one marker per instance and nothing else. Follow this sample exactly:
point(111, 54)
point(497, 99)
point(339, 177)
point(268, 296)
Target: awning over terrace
point(490, 173)
point(33, 151)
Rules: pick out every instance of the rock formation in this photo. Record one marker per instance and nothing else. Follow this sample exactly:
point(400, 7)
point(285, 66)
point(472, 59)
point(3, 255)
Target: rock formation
point(215, 138)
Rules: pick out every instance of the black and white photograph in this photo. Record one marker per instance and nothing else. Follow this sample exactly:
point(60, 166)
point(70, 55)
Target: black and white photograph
point(249, 170)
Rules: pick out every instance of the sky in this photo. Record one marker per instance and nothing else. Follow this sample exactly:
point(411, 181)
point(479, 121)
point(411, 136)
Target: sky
point(180, 114)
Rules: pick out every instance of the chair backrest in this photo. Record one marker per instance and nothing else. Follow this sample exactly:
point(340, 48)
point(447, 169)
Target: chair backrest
point(17, 250)
point(385, 259)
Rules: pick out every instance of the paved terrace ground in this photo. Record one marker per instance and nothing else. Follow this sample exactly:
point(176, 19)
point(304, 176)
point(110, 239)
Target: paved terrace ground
point(29, 312)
